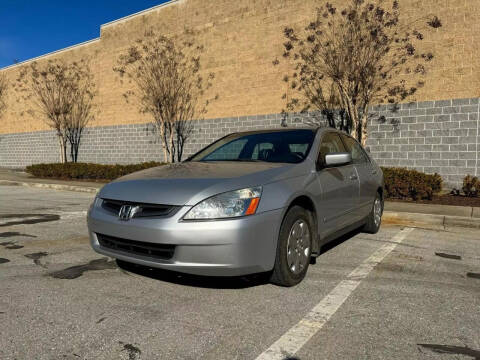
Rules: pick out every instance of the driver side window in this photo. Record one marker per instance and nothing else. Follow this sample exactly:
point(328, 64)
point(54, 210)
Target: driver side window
point(354, 148)
point(331, 143)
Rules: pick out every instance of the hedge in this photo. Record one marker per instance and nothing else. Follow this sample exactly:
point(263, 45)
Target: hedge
point(86, 171)
point(471, 186)
point(399, 183)
point(402, 183)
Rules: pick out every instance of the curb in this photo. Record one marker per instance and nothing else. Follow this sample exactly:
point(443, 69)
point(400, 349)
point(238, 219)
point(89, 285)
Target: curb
point(429, 221)
point(420, 220)
point(84, 189)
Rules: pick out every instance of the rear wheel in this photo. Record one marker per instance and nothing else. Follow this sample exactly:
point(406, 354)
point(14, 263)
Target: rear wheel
point(374, 219)
point(294, 248)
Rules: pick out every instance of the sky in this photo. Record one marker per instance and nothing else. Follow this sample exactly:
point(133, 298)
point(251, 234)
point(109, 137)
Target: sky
point(30, 28)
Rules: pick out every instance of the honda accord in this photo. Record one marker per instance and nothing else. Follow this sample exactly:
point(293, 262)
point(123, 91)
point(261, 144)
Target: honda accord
point(253, 202)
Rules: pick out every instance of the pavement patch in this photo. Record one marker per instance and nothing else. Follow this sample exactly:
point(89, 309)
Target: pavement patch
point(74, 272)
point(473, 275)
point(14, 247)
point(133, 351)
point(26, 219)
point(13, 234)
point(10, 245)
point(449, 349)
point(36, 257)
point(294, 339)
point(4, 261)
point(448, 256)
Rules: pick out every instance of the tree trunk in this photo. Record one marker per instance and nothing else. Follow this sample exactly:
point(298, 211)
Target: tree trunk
point(72, 154)
point(60, 144)
point(161, 128)
point(352, 113)
point(364, 129)
point(65, 150)
point(172, 146)
point(179, 148)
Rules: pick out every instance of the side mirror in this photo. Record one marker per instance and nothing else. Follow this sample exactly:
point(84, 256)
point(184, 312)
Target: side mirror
point(337, 159)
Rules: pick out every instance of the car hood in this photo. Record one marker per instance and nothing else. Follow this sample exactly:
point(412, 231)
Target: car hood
point(190, 182)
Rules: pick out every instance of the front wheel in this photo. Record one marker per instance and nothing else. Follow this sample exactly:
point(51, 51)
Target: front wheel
point(374, 219)
point(294, 248)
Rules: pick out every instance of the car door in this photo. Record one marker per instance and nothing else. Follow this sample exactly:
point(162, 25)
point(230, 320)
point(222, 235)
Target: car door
point(366, 174)
point(338, 198)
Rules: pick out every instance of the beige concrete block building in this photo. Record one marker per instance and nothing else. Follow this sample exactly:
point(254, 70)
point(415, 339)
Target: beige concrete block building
point(242, 38)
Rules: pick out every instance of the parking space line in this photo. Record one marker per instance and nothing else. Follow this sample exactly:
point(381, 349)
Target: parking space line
point(305, 329)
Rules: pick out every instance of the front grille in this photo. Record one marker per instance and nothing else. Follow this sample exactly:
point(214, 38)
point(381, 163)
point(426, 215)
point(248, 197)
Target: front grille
point(158, 251)
point(145, 210)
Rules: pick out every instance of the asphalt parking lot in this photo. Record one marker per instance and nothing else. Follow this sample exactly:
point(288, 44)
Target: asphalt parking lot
point(400, 294)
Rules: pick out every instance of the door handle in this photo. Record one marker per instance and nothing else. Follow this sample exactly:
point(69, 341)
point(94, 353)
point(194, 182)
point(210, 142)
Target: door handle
point(353, 177)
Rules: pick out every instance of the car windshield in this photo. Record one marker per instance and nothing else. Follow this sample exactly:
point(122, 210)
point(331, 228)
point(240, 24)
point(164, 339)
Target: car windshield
point(276, 146)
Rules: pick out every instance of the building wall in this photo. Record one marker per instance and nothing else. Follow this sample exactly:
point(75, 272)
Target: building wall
point(431, 136)
point(242, 38)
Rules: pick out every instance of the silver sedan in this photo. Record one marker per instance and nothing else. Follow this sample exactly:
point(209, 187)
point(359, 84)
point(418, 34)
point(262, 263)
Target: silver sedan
point(260, 201)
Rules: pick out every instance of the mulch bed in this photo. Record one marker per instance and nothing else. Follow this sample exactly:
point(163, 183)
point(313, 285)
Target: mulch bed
point(446, 200)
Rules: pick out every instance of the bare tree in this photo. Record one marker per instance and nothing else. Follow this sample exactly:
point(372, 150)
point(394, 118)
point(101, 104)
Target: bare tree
point(3, 94)
point(81, 114)
point(167, 79)
point(62, 92)
point(364, 53)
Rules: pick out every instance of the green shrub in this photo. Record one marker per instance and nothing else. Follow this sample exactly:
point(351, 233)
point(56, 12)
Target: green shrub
point(402, 183)
point(86, 171)
point(471, 186)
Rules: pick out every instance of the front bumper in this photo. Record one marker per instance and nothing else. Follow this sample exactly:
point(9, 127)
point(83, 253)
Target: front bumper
point(214, 248)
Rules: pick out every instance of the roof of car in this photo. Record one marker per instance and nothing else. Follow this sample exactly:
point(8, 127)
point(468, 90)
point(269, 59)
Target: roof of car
point(284, 129)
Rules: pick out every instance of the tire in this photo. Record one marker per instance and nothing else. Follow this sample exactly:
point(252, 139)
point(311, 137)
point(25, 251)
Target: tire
point(294, 248)
point(374, 219)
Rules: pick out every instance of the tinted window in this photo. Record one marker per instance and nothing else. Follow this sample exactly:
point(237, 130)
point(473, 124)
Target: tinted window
point(278, 146)
point(354, 148)
point(331, 143)
point(230, 150)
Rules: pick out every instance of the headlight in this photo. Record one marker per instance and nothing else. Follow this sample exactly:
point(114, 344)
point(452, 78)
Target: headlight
point(227, 205)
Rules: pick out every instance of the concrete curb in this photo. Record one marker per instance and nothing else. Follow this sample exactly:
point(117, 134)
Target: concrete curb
point(84, 189)
point(429, 221)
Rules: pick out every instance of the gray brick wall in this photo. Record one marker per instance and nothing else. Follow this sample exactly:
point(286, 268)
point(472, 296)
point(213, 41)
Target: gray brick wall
point(126, 144)
point(432, 136)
